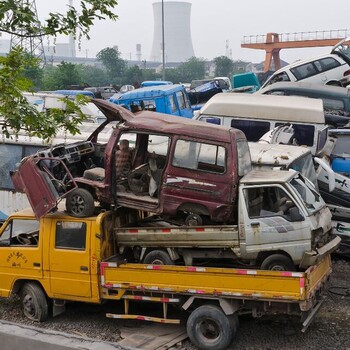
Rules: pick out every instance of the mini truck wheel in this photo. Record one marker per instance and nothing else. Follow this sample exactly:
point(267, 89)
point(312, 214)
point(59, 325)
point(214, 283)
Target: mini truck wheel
point(210, 329)
point(158, 257)
point(278, 262)
point(80, 203)
point(34, 302)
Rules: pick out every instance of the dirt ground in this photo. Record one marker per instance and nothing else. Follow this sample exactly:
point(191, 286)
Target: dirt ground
point(329, 330)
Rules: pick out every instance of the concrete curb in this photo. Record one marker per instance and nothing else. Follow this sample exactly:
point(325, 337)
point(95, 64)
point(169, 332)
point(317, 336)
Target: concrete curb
point(14, 336)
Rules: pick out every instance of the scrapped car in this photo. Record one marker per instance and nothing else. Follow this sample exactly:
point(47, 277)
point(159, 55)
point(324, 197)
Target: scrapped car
point(153, 162)
point(329, 69)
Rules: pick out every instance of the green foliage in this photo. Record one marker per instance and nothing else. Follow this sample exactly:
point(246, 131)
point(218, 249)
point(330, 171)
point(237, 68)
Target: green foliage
point(18, 114)
point(192, 69)
point(110, 58)
point(17, 17)
point(223, 66)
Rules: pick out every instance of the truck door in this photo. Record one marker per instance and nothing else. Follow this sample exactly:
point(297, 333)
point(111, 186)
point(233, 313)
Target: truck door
point(20, 252)
point(268, 224)
point(69, 257)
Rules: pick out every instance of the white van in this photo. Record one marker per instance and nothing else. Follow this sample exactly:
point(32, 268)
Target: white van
point(255, 115)
point(329, 69)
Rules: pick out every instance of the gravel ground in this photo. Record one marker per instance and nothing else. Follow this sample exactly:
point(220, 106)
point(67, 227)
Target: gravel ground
point(330, 329)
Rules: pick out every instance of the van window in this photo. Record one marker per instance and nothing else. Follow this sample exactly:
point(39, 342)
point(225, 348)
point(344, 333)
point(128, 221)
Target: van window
point(303, 134)
point(172, 104)
point(304, 71)
point(252, 129)
point(200, 156)
point(327, 63)
point(212, 120)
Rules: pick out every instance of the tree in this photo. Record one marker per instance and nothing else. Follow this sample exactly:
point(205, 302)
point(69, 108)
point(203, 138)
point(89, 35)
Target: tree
point(66, 74)
point(223, 66)
point(110, 58)
point(16, 17)
point(194, 68)
point(18, 114)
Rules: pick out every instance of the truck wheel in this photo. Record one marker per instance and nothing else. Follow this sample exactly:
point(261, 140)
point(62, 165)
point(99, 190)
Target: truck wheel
point(210, 329)
point(158, 257)
point(34, 302)
point(193, 220)
point(278, 262)
point(80, 203)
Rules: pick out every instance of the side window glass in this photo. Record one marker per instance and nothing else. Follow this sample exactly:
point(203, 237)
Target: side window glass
point(212, 120)
point(252, 129)
point(304, 71)
point(70, 235)
point(173, 107)
point(328, 63)
point(200, 156)
point(21, 232)
point(181, 100)
point(267, 201)
point(303, 134)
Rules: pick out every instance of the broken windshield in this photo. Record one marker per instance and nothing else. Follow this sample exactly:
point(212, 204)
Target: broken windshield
point(306, 192)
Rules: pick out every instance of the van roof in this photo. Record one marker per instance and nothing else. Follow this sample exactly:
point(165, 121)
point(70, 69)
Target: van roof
point(165, 123)
point(267, 107)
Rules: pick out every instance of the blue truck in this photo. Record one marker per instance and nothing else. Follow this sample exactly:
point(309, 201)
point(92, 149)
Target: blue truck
point(169, 99)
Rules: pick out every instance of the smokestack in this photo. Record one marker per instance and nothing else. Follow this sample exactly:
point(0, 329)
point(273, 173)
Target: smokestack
point(138, 52)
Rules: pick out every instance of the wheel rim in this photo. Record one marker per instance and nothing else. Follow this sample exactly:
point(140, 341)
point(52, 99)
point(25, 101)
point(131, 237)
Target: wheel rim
point(77, 204)
point(28, 306)
point(208, 330)
point(278, 268)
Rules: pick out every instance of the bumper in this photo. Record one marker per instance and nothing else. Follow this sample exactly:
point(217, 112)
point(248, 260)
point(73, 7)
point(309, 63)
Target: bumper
point(314, 256)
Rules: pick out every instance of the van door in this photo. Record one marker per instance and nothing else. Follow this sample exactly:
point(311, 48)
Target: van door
point(268, 222)
point(69, 259)
point(198, 177)
point(21, 253)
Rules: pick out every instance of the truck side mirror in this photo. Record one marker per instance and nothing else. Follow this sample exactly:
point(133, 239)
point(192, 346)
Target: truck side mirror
point(295, 215)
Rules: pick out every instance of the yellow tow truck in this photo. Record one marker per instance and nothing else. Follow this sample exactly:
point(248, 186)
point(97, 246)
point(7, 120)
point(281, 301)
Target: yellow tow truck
point(61, 258)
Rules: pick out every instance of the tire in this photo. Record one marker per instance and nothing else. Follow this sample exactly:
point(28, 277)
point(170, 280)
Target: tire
point(34, 302)
point(193, 220)
point(80, 203)
point(278, 262)
point(210, 329)
point(158, 257)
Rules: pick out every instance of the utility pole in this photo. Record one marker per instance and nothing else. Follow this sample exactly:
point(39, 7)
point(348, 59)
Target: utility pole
point(163, 45)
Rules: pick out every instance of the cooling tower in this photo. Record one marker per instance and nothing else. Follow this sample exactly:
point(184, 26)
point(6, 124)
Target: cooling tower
point(177, 32)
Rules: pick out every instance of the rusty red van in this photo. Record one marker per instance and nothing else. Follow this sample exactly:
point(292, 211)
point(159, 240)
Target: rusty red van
point(176, 167)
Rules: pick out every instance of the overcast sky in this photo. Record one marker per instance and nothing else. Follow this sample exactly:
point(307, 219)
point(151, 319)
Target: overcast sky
point(212, 23)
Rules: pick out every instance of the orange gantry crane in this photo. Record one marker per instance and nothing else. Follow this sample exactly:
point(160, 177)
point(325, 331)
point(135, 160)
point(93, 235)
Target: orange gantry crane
point(273, 43)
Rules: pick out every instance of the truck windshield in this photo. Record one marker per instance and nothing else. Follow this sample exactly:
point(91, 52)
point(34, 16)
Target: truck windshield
point(312, 200)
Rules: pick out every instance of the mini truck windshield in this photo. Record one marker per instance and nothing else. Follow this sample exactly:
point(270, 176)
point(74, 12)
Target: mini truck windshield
point(307, 193)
